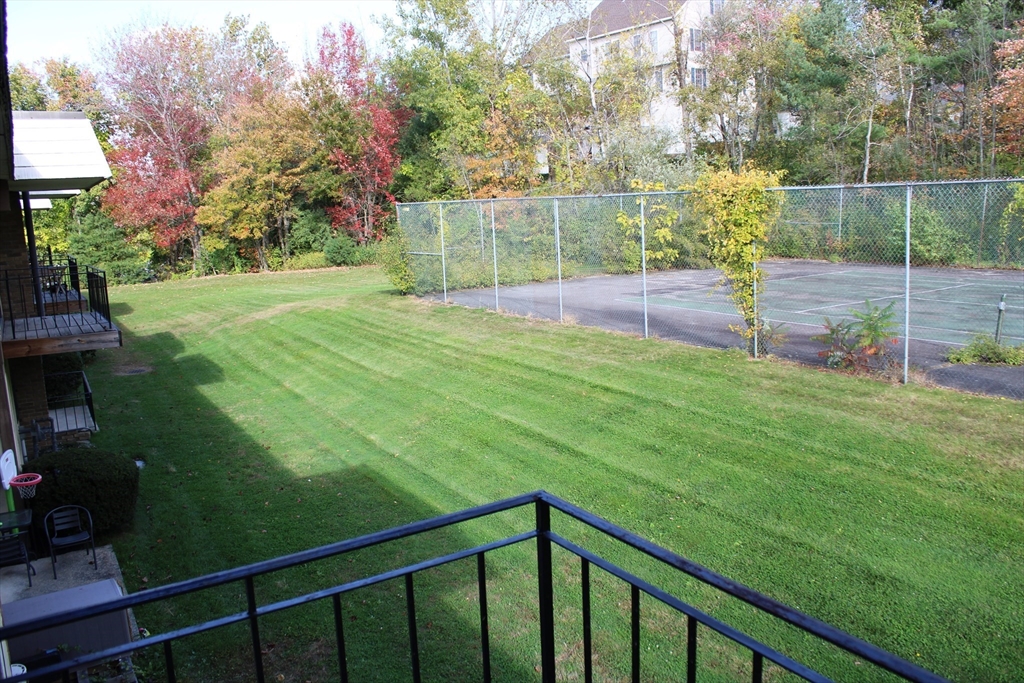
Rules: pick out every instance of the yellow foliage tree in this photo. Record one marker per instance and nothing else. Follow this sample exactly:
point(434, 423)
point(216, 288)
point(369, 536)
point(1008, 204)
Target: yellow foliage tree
point(738, 211)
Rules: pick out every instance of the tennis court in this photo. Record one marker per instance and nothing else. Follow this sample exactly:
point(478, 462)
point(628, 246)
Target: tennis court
point(947, 307)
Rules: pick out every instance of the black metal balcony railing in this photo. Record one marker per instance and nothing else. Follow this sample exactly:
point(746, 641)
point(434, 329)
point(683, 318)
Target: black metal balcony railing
point(55, 300)
point(69, 401)
point(545, 537)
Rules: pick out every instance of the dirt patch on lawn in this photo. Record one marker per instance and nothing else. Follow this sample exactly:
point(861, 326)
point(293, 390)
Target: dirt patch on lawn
point(125, 370)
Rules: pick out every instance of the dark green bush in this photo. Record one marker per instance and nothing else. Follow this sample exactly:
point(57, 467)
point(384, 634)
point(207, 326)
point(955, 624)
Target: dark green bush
point(341, 250)
point(310, 231)
point(105, 483)
point(99, 242)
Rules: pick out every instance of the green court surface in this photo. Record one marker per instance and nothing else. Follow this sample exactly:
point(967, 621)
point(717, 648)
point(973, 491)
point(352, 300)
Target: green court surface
point(947, 306)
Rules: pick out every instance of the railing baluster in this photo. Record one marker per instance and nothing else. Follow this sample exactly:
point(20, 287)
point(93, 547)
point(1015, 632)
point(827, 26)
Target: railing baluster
point(758, 673)
point(254, 627)
point(635, 628)
point(691, 650)
point(414, 647)
point(588, 664)
point(339, 633)
point(545, 593)
point(169, 662)
point(485, 632)
point(10, 302)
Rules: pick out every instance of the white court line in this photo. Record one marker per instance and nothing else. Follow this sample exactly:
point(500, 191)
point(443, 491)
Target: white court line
point(800, 277)
point(848, 303)
point(964, 303)
point(937, 289)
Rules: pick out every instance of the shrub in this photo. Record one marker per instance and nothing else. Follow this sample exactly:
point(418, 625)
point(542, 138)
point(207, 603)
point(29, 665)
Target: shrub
point(985, 349)
point(307, 261)
point(667, 243)
point(393, 257)
point(340, 251)
point(105, 483)
point(55, 370)
point(863, 344)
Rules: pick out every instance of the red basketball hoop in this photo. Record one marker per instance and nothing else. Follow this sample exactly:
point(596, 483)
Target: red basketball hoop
point(26, 483)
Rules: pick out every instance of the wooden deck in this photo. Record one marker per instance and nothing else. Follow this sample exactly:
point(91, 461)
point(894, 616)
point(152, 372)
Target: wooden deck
point(64, 302)
point(72, 419)
point(23, 337)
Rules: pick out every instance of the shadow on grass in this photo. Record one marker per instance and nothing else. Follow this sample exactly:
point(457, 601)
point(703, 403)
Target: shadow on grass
point(214, 496)
point(120, 308)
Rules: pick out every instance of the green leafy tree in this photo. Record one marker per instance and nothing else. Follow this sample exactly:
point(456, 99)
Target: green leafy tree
point(75, 88)
point(28, 91)
point(310, 231)
point(98, 241)
point(737, 108)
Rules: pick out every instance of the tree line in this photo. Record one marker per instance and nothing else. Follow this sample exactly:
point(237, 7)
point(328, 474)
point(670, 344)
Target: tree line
point(227, 158)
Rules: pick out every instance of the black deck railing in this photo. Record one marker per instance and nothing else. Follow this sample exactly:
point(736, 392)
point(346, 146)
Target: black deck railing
point(543, 503)
point(69, 398)
point(56, 299)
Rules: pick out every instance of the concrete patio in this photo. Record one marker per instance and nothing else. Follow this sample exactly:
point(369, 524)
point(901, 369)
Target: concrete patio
point(74, 568)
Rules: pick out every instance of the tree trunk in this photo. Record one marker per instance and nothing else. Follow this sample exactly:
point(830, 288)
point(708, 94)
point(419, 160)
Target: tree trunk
point(867, 144)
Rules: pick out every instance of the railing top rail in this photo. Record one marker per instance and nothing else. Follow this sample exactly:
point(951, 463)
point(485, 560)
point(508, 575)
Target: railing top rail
point(787, 188)
point(792, 616)
point(268, 566)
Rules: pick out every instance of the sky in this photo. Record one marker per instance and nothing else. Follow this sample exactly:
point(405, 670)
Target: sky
point(40, 29)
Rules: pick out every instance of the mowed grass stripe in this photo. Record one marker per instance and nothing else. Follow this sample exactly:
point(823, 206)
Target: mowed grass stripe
point(558, 446)
point(894, 512)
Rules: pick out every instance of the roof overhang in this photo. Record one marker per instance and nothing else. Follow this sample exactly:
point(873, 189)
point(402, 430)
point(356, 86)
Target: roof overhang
point(55, 151)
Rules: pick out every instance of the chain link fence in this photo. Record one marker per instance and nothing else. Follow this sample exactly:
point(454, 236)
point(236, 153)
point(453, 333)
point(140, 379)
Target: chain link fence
point(938, 263)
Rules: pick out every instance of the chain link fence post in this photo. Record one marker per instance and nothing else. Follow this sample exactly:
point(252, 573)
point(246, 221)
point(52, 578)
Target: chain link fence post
point(906, 298)
point(494, 249)
point(753, 255)
point(643, 258)
point(839, 236)
point(558, 259)
point(444, 268)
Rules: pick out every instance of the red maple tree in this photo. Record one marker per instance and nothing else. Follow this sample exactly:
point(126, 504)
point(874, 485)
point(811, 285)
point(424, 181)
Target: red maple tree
point(1008, 95)
point(366, 161)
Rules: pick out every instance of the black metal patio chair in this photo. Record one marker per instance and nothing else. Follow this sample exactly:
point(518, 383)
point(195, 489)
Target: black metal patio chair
point(13, 551)
point(66, 527)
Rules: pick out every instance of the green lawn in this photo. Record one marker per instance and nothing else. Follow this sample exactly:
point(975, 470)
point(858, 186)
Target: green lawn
point(285, 411)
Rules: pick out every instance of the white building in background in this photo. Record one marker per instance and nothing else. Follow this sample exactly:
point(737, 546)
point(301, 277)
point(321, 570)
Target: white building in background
point(649, 29)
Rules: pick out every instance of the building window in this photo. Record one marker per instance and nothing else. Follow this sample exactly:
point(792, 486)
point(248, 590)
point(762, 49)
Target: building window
point(699, 78)
point(716, 6)
point(652, 38)
point(637, 44)
point(584, 58)
point(696, 40)
point(659, 79)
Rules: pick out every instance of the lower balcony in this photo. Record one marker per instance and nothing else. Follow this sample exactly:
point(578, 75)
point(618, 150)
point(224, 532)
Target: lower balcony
point(53, 313)
point(69, 403)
